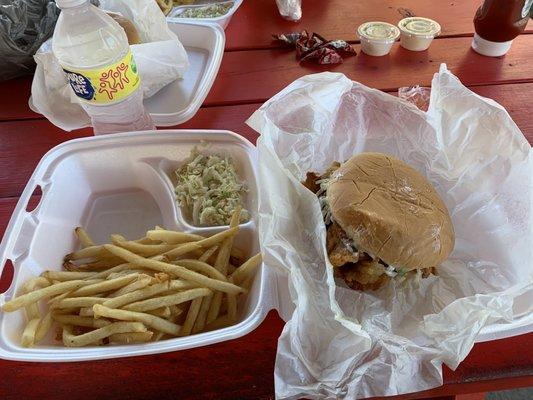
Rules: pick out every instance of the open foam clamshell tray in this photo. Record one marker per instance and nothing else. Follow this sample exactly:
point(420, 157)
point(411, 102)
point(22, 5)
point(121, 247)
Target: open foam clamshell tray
point(180, 100)
point(120, 183)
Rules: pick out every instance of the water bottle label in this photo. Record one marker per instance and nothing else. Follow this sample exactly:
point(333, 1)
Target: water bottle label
point(107, 84)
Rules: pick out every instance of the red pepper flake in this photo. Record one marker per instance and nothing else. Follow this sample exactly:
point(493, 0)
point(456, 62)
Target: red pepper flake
point(315, 47)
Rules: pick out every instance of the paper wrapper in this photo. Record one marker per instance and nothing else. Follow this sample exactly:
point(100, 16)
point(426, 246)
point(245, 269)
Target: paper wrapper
point(341, 343)
point(160, 59)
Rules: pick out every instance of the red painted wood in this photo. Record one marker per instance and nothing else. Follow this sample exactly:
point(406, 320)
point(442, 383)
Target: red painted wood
point(14, 101)
point(23, 143)
point(257, 75)
point(20, 158)
point(255, 20)
point(254, 76)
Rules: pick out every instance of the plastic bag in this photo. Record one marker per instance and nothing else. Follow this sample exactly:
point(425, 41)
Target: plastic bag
point(160, 59)
point(341, 343)
point(417, 95)
point(24, 26)
point(290, 9)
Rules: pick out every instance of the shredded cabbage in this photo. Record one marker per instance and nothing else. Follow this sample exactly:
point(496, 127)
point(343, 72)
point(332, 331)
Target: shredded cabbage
point(208, 188)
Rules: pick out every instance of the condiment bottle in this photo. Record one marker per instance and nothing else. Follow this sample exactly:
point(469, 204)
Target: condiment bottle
point(497, 23)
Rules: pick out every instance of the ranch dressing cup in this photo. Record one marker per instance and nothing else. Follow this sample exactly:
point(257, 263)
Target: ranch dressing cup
point(417, 33)
point(377, 37)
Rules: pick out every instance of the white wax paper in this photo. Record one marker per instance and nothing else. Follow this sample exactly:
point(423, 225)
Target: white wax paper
point(160, 59)
point(341, 343)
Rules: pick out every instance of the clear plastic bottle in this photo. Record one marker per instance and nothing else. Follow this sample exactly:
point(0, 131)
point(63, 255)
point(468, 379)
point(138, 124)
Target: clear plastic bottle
point(94, 52)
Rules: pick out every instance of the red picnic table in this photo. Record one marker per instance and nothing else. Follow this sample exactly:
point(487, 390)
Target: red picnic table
point(254, 69)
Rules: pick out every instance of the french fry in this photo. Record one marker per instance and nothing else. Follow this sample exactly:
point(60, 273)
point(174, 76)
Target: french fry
point(199, 324)
point(74, 302)
point(131, 337)
point(173, 237)
point(177, 284)
point(163, 312)
point(28, 335)
point(141, 282)
point(157, 323)
point(246, 269)
point(86, 312)
point(118, 268)
point(71, 340)
point(44, 327)
point(87, 252)
point(32, 310)
point(221, 264)
point(175, 310)
point(104, 286)
point(36, 295)
point(66, 275)
point(77, 320)
point(206, 255)
point(181, 249)
point(202, 268)
point(83, 237)
point(158, 336)
point(127, 298)
point(232, 307)
point(174, 270)
point(145, 250)
point(192, 314)
point(219, 237)
point(178, 298)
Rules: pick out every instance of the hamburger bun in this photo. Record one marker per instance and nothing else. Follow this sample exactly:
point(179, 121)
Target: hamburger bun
point(390, 211)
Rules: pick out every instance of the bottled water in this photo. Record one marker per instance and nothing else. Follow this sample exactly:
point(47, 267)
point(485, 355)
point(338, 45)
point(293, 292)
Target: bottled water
point(94, 52)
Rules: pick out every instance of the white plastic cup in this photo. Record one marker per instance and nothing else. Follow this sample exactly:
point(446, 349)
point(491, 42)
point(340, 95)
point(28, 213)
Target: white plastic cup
point(487, 48)
point(377, 37)
point(417, 33)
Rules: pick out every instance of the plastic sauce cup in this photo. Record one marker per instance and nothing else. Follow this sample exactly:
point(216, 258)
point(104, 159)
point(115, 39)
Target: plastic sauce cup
point(417, 33)
point(377, 37)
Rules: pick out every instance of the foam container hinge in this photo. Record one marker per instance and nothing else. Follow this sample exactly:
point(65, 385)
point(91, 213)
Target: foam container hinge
point(123, 184)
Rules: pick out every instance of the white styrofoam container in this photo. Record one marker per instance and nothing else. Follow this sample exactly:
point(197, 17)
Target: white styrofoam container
point(118, 183)
point(223, 20)
point(180, 100)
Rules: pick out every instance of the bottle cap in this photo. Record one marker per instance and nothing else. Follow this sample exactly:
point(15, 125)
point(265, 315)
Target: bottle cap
point(487, 48)
point(419, 27)
point(377, 31)
point(69, 3)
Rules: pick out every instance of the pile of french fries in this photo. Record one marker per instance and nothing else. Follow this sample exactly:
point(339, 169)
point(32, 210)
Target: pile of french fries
point(166, 284)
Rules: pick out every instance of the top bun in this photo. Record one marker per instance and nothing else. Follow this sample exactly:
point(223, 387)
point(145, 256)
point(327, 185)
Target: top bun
point(391, 211)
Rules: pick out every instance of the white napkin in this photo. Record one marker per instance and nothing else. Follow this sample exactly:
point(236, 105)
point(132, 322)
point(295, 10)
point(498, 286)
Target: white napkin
point(341, 343)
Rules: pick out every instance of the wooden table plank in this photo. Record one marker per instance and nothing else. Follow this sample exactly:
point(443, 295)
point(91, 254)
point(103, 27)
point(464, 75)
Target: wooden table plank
point(255, 20)
point(23, 143)
point(253, 76)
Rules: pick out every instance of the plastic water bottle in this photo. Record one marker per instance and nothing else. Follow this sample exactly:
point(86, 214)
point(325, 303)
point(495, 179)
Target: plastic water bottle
point(94, 52)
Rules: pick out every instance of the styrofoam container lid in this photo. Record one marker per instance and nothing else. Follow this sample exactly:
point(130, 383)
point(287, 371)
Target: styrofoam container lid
point(377, 31)
point(420, 27)
point(180, 100)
